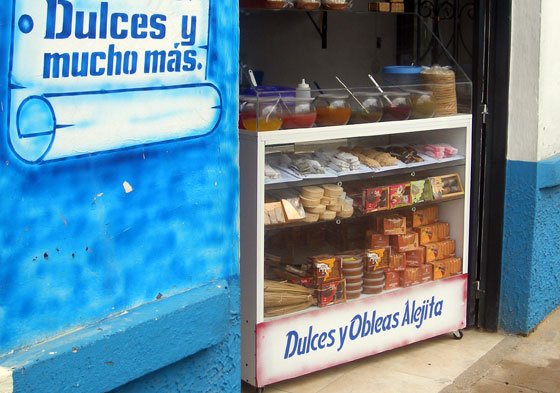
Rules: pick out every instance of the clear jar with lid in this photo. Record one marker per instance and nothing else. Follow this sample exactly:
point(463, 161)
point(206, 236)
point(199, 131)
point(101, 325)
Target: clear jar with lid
point(396, 106)
point(298, 112)
point(332, 110)
point(261, 114)
point(423, 104)
point(370, 110)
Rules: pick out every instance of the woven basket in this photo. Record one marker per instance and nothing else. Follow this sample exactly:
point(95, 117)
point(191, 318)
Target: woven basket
point(441, 81)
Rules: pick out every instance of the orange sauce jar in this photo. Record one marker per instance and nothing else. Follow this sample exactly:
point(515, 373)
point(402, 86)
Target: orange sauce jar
point(332, 110)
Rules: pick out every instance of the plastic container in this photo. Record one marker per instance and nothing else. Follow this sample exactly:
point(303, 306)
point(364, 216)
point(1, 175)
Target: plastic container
point(307, 4)
point(373, 290)
point(371, 102)
point(399, 107)
point(332, 110)
point(402, 75)
point(262, 114)
point(423, 104)
point(338, 5)
point(299, 112)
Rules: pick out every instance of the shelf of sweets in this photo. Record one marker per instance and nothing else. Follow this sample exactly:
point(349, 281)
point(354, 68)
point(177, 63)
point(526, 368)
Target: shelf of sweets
point(341, 178)
point(362, 297)
point(331, 202)
point(387, 254)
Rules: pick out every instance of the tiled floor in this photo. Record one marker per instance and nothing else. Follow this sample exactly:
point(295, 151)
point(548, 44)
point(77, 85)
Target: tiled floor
point(426, 367)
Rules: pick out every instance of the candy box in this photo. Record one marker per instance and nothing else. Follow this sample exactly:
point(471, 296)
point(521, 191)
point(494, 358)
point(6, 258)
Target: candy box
point(399, 195)
point(376, 259)
point(392, 280)
point(406, 242)
point(453, 265)
point(410, 276)
point(324, 269)
point(375, 199)
point(427, 233)
point(376, 240)
point(332, 292)
point(446, 186)
point(439, 270)
point(397, 262)
point(425, 271)
point(425, 216)
point(421, 191)
point(392, 224)
point(439, 250)
point(415, 257)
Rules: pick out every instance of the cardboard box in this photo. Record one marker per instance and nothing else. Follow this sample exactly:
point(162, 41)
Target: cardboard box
point(332, 292)
point(439, 270)
point(406, 242)
point(399, 195)
point(427, 233)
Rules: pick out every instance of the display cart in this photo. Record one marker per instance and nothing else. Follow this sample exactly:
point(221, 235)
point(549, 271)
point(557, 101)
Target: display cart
point(281, 347)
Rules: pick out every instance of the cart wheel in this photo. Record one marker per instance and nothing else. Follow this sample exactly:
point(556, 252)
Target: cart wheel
point(458, 334)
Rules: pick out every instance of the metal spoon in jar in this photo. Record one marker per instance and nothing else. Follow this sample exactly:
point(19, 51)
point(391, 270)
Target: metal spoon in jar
point(352, 94)
point(380, 89)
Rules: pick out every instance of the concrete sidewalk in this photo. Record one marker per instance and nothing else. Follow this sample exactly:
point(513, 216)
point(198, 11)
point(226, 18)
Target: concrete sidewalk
point(480, 362)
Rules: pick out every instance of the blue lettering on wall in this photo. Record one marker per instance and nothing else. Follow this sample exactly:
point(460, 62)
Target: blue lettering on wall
point(87, 47)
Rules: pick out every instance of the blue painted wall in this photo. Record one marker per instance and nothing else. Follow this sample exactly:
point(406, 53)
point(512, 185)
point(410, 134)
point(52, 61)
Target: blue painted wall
point(530, 258)
point(75, 247)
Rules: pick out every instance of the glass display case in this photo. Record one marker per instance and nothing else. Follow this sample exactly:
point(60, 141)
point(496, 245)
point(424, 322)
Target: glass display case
point(354, 226)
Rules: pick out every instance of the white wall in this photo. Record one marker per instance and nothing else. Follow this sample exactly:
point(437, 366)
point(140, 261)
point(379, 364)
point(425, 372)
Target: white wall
point(549, 94)
point(534, 96)
point(524, 80)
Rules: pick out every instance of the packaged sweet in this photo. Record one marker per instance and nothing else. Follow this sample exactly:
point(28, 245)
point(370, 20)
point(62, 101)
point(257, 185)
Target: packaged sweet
point(307, 4)
point(373, 290)
point(376, 240)
point(332, 292)
point(421, 191)
point(425, 271)
point(439, 250)
point(446, 186)
point(324, 269)
point(376, 259)
point(405, 242)
point(338, 5)
point(425, 216)
point(284, 298)
point(410, 276)
point(375, 199)
point(415, 257)
point(293, 209)
point(392, 280)
point(406, 154)
point(453, 265)
point(312, 192)
point(274, 213)
point(399, 195)
point(427, 233)
point(397, 262)
point(392, 224)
